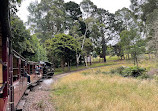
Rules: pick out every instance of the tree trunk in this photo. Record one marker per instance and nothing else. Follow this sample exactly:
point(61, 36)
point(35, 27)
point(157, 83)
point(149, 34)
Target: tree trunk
point(77, 61)
point(104, 48)
point(83, 41)
point(62, 64)
point(85, 59)
point(69, 65)
point(136, 61)
point(90, 60)
point(128, 55)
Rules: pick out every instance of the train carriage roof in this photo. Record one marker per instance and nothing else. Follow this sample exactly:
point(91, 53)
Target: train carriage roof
point(17, 55)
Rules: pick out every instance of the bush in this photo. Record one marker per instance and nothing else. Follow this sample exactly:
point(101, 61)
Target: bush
point(134, 72)
point(118, 70)
point(113, 71)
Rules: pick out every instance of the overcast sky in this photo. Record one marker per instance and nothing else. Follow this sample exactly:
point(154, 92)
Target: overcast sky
point(111, 5)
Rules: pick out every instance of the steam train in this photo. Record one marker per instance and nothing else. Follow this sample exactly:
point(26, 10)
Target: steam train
point(16, 73)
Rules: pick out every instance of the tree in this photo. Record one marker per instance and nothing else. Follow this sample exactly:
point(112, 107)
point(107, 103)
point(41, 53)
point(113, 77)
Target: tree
point(21, 36)
point(47, 18)
point(126, 17)
point(88, 12)
point(74, 25)
point(128, 22)
point(103, 30)
point(132, 41)
point(125, 40)
point(39, 50)
point(150, 17)
point(64, 47)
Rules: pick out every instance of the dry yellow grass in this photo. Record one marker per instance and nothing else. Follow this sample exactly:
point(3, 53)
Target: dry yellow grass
point(91, 90)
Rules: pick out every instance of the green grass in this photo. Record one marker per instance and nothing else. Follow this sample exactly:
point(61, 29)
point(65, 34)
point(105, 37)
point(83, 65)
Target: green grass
point(96, 63)
point(74, 68)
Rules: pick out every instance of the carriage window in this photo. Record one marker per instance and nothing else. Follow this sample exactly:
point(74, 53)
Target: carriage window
point(28, 68)
point(31, 69)
point(22, 67)
point(15, 69)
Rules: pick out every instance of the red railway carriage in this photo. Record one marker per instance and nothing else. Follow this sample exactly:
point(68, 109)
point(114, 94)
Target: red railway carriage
point(23, 75)
point(15, 70)
point(6, 99)
point(16, 73)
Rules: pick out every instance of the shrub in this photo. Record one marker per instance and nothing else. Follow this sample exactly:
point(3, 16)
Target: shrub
point(113, 71)
point(118, 70)
point(134, 72)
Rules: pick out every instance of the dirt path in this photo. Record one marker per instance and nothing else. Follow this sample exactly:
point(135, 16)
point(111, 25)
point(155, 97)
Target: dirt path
point(39, 98)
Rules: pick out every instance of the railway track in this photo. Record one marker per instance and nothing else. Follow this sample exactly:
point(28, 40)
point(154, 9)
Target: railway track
point(38, 97)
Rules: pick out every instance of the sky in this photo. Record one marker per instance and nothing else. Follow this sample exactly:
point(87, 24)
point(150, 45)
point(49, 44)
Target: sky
point(111, 5)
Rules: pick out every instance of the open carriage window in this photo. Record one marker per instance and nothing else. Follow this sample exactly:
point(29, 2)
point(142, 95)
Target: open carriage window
point(22, 67)
point(31, 69)
point(15, 68)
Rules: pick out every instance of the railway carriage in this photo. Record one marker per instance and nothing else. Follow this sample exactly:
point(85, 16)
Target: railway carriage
point(23, 76)
point(16, 73)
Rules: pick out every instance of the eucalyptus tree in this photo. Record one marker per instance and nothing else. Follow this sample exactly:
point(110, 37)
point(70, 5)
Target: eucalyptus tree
point(146, 12)
point(103, 30)
point(150, 17)
point(47, 18)
point(74, 26)
point(128, 22)
point(135, 44)
point(125, 16)
point(88, 11)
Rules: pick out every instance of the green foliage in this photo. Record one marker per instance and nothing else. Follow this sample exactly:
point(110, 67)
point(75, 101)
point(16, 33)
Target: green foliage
point(63, 47)
point(47, 18)
point(21, 36)
point(40, 51)
point(88, 47)
point(25, 44)
point(130, 72)
point(133, 71)
point(132, 43)
point(73, 10)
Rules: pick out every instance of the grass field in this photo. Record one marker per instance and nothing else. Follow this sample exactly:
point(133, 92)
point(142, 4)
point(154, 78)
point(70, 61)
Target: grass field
point(96, 90)
point(95, 63)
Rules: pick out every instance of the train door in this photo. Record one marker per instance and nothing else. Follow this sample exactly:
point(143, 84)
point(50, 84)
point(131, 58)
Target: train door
point(24, 79)
point(16, 80)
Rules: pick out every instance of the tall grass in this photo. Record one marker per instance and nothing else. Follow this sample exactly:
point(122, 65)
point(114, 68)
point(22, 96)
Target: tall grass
point(94, 90)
